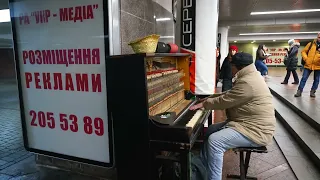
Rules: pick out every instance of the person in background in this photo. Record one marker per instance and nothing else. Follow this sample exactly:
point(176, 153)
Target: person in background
point(225, 72)
point(261, 55)
point(291, 62)
point(218, 66)
point(251, 120)
point(311, 56)
point(285, 59)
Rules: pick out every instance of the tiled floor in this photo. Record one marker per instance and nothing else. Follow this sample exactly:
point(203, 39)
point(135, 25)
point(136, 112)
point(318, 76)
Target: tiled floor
point(11, 145)
point(16, 163)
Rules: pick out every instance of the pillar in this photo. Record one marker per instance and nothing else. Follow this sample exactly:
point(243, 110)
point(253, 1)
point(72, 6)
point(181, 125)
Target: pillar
point(224, 45)
point(199, 24)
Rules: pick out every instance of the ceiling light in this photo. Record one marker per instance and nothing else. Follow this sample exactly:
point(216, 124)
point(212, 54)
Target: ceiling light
point(235, 41)
point(285, 12)
point(4, 15)
point(163, 19)
point(277, 33)
point(274, 40)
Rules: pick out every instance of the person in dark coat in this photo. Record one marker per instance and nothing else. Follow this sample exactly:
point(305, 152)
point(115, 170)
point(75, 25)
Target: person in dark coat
point(225, 72)
point(218, 66)
point(291, 62)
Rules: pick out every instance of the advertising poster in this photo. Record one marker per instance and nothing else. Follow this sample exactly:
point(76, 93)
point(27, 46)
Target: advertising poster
point(60, 50)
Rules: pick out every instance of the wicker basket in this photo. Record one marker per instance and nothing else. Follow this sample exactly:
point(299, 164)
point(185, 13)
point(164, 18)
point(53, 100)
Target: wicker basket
point(146, 44)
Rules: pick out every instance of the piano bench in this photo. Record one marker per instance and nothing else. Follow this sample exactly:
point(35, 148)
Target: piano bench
point(244, 163)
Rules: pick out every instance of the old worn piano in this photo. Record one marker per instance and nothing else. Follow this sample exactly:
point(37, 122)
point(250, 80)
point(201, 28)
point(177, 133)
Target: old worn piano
point(149, 98)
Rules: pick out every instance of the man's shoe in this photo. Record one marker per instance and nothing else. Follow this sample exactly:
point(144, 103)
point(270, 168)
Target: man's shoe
point(295, 83)
point(284, 82)
point(312, 93)
point(298, 94)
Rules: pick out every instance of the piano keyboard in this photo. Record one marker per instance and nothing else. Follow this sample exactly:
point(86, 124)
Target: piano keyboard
point(194, 119)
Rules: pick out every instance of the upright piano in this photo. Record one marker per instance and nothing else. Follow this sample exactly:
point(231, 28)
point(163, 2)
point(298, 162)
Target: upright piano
point(149, 99)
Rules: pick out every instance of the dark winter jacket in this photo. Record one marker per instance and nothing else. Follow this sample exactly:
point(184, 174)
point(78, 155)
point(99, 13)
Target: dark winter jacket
point(218, 69)
point(225, 72)
point(292, 58)
point(261, 55)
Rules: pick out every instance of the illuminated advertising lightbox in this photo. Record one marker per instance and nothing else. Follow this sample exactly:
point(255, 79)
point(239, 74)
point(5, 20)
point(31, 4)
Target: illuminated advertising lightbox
point(60, 48)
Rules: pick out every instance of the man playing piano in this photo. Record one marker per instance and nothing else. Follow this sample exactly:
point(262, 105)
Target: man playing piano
point(250, 112)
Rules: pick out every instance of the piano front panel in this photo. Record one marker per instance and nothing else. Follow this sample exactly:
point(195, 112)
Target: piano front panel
point(180, 106)
point(164, 86)
point(167, 104)
point(165, 83)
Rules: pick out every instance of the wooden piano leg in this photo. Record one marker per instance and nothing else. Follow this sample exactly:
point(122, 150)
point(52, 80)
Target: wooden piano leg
point(185, 165)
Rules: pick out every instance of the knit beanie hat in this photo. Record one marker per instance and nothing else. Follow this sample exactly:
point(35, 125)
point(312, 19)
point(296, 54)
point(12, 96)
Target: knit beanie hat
point(233, 47)
point(290, 42)
point(242, 59)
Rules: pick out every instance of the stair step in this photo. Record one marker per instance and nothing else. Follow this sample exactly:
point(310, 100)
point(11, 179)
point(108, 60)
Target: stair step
point(299, 162)
point(306, 109)
point(305, 135)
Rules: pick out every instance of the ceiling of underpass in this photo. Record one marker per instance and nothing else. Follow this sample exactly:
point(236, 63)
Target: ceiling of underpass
point(236, 14)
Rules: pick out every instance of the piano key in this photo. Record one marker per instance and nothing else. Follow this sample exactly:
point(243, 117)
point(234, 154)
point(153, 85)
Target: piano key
point(194, 119)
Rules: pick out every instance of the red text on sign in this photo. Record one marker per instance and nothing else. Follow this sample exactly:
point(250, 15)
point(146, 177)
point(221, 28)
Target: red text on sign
point(24, 19)
point(275, 61)
point(64, 122)
point(43, 119)
point(97, 124)
point(78, 13)
point(41, 16)
point(68, 82)
point(67, 122)
point(62, 56)
point(278, 54)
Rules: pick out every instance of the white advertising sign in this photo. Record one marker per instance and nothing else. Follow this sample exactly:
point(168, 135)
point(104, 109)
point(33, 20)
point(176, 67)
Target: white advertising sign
point(60, 51)
point(277, 55)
